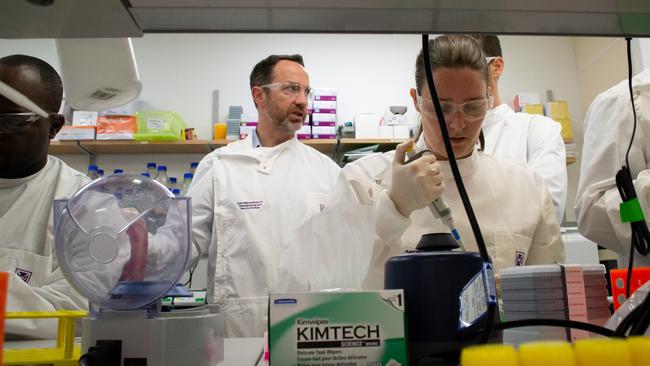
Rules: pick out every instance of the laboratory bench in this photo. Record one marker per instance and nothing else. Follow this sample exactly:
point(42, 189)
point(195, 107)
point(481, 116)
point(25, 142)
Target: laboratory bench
point(237, 351)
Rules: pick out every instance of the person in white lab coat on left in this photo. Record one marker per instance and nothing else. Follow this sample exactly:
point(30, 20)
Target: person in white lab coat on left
point(512, 204)
point(30, 180)
point(249, 196)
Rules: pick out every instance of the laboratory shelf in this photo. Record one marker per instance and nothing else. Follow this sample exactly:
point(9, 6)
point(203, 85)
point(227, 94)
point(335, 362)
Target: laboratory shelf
point(94, 147)
point(65, 148)
point(326, 146)
point(130, 147)
point(185, 146)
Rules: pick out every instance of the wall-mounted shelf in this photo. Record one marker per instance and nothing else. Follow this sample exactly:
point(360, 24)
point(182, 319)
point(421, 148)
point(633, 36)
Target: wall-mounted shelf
point(94, 147)
point(65, 148)
point(129, 147)
point(185, 147)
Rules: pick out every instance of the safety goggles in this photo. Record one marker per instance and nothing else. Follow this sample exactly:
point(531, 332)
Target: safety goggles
point(15, 122)
point(290, 88)
point(471, 110)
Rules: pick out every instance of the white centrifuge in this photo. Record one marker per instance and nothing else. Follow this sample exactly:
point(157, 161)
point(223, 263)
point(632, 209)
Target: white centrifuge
point(123, 241)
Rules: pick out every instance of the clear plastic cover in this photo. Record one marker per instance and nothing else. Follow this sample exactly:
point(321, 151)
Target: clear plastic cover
point(628, 306)
point(123, 240)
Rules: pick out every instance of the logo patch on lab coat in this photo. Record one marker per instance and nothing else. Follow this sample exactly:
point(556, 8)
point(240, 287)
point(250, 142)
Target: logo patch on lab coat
point(250, 205)
point(520, 258)
point(24, 274)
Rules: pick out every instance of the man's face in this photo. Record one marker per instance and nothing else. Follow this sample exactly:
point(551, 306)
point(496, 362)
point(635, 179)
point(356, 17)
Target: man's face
point(24, 149)
point(286, 108)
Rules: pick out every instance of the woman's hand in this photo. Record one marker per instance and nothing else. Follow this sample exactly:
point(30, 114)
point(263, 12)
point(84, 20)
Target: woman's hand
point(416, 184)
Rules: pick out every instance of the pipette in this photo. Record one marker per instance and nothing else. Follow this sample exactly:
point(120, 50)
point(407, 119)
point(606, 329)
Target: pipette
point(438, 206)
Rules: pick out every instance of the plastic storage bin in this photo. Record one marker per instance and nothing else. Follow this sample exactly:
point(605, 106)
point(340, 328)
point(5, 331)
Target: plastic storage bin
point(159, 126)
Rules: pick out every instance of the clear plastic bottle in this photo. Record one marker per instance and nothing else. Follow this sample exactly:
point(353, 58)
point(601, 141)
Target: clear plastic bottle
point(162, 175)
point(100, 172)
point(151, 169)
point(92, 172)
point(118, 171)
point(176, 192)
point(187, 180)
point(193, 166)
point(173, 183)
point(146, 174)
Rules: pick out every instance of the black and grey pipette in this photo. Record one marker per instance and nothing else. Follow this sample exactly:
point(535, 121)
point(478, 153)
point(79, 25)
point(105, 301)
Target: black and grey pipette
point(438, 206)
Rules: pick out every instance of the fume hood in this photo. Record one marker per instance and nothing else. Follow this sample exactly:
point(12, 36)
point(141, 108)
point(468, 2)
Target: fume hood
point(124, 18)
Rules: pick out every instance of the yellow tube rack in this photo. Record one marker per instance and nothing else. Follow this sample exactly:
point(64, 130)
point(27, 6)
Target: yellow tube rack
point(65, 353)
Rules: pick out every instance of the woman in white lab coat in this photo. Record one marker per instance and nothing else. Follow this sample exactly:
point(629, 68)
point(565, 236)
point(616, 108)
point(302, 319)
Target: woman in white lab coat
point(512, 204)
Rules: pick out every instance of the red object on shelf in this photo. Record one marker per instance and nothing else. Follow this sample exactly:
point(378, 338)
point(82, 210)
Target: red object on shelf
point(618, 278)
point(4, 283)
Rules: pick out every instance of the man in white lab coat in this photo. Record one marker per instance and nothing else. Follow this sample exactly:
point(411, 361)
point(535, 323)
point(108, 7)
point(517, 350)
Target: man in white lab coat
point(531, 140)
point(249, 196)
point(607, 131)
point(29, 181)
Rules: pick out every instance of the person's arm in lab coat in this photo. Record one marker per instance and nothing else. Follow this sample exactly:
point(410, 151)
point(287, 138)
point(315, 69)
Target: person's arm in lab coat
point(56, 294)
point(546, 246)
point(417, 184)
point(201, 192)
point(547, 157)
point(607, 132)
point(389, 224)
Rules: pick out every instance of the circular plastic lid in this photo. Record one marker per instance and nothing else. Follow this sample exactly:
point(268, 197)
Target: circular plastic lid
point(123, 241)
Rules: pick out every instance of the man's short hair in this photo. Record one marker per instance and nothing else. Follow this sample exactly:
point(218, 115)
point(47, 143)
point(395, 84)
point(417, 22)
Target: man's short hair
point(490, 45)
point(50, 79)
point(263, 71)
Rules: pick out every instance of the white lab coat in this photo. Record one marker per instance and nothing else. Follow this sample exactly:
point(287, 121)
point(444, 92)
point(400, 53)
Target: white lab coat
point(607, 132)
point(246, 204)
point(27, 246)
point(531, 140)
point(512, 205)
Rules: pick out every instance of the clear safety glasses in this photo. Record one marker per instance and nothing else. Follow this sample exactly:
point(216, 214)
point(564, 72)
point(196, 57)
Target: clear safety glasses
point(15, 122)
point(290, 88)
point(472, 110)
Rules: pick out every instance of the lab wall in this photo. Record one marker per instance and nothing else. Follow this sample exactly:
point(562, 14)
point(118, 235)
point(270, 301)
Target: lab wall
point(641, 54)
point(370, 72)
point(600, 64)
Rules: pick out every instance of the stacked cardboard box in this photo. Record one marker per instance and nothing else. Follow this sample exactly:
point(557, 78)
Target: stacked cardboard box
point(323, 116)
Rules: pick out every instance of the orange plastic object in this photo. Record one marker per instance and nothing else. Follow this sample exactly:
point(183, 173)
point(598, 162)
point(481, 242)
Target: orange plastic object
point(4, 282)
point(618, 277)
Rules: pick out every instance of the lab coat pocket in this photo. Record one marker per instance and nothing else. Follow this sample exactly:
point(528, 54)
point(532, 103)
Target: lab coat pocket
point(315, 204)
point(31, 268)
point(511, 249)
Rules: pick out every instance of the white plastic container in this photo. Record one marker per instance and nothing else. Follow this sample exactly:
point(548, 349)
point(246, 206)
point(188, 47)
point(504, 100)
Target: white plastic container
point(98, 73)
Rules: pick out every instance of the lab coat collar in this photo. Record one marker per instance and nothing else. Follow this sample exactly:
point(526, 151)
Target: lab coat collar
point(255, 140)
point(497, 114)
point(466, 165)
point(265, 156)
point(12, 183)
